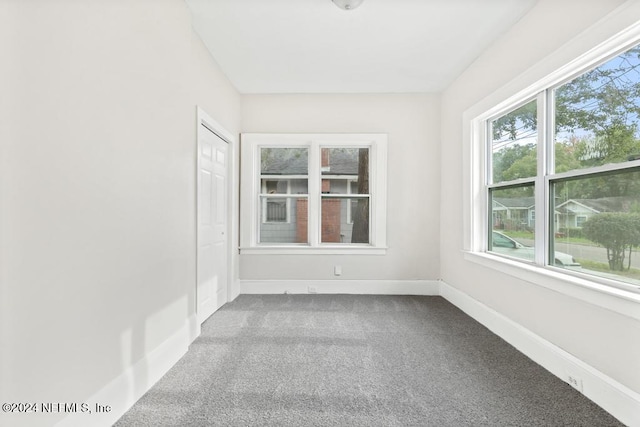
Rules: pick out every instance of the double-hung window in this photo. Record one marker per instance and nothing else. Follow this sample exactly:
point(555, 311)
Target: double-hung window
point(562, 174)
point(305, 193)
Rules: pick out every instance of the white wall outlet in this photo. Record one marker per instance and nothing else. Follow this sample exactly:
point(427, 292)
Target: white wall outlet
point(337, 270)
point(575, 382)
point(312, 290)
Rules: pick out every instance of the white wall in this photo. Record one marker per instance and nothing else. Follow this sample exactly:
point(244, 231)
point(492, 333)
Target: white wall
point(97, 191)
point(97, 201)
point(538, 44)
point(411, 122)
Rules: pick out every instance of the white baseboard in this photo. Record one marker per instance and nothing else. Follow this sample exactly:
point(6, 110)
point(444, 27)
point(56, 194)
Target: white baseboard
point(369, 287)
point(125, 390)
point(617, 399)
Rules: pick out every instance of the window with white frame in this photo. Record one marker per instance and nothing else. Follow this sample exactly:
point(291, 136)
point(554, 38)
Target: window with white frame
point(303, 193)
point(570, 154)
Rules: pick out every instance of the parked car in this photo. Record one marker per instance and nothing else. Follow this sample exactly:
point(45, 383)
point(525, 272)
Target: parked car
point(504, 244)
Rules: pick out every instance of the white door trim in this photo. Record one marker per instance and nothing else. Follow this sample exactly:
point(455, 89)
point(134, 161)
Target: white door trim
point(213, 126)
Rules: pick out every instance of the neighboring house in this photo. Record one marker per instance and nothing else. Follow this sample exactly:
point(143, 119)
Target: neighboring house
point(284, 219)
point(575, 212)
point(513, 213)
point(517, 213)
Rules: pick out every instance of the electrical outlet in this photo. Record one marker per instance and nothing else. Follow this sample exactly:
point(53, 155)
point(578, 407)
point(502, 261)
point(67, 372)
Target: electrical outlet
point(575, 382)
point(312, 289)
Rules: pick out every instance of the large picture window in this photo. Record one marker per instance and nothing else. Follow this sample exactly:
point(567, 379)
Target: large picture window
point(301, 193)
point(562, 174)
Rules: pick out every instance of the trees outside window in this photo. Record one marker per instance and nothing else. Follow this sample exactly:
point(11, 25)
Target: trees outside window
point(587, 179)
point(617, 232)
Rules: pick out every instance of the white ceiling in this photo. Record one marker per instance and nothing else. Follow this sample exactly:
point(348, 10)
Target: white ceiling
point(312, 46)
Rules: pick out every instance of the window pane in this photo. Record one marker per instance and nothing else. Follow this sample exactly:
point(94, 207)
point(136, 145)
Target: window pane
point(284, 220)
point(275, 187)
point(284, 186)
point(512, 222)
point(513, 144)
point(348, 164)
point(345, 220)
point(284, 161)
point(597, 222)
point(340, 185)
point(596, 119)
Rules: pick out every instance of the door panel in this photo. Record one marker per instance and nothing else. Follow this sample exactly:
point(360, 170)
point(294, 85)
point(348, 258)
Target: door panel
point(212, 223)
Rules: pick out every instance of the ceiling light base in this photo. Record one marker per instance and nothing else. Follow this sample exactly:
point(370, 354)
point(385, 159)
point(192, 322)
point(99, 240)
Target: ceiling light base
point(347, 4)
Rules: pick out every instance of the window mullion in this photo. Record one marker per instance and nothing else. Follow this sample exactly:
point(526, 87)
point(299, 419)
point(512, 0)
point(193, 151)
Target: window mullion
point(540, 253)
point(315, 186)
point(288, 203)
point(550, 132)
point(549, 170)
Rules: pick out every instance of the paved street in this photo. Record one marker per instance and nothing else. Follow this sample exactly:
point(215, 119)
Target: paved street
point(593, 253)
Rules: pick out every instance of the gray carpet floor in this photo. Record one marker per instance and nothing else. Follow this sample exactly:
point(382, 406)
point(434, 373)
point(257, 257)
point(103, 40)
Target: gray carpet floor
point(356, 360)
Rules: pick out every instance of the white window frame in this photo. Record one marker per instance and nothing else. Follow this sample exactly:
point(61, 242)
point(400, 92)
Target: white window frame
point(611, 294)
point(545, 168)
point(250, 211)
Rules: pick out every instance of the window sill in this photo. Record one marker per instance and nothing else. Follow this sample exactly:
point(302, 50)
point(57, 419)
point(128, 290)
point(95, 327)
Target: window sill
point(319, 250)
point(625, 302)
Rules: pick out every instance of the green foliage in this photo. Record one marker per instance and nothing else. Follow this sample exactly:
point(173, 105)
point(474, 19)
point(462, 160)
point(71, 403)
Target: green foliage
point(566, 158)
point(524, 167)
point(504, 160)
point(511, 125)
point(619, 184)
point(616, 232)
point(597, 122)
point(600, 99)
point(635, 208)
point(613, 144)
point(520, 161)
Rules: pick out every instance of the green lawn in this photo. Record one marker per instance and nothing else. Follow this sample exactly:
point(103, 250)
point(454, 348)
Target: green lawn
point(633, 273)
point(529, 235)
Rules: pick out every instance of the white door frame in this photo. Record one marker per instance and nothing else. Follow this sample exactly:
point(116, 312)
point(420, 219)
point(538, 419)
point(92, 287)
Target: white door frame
point(203, 119)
